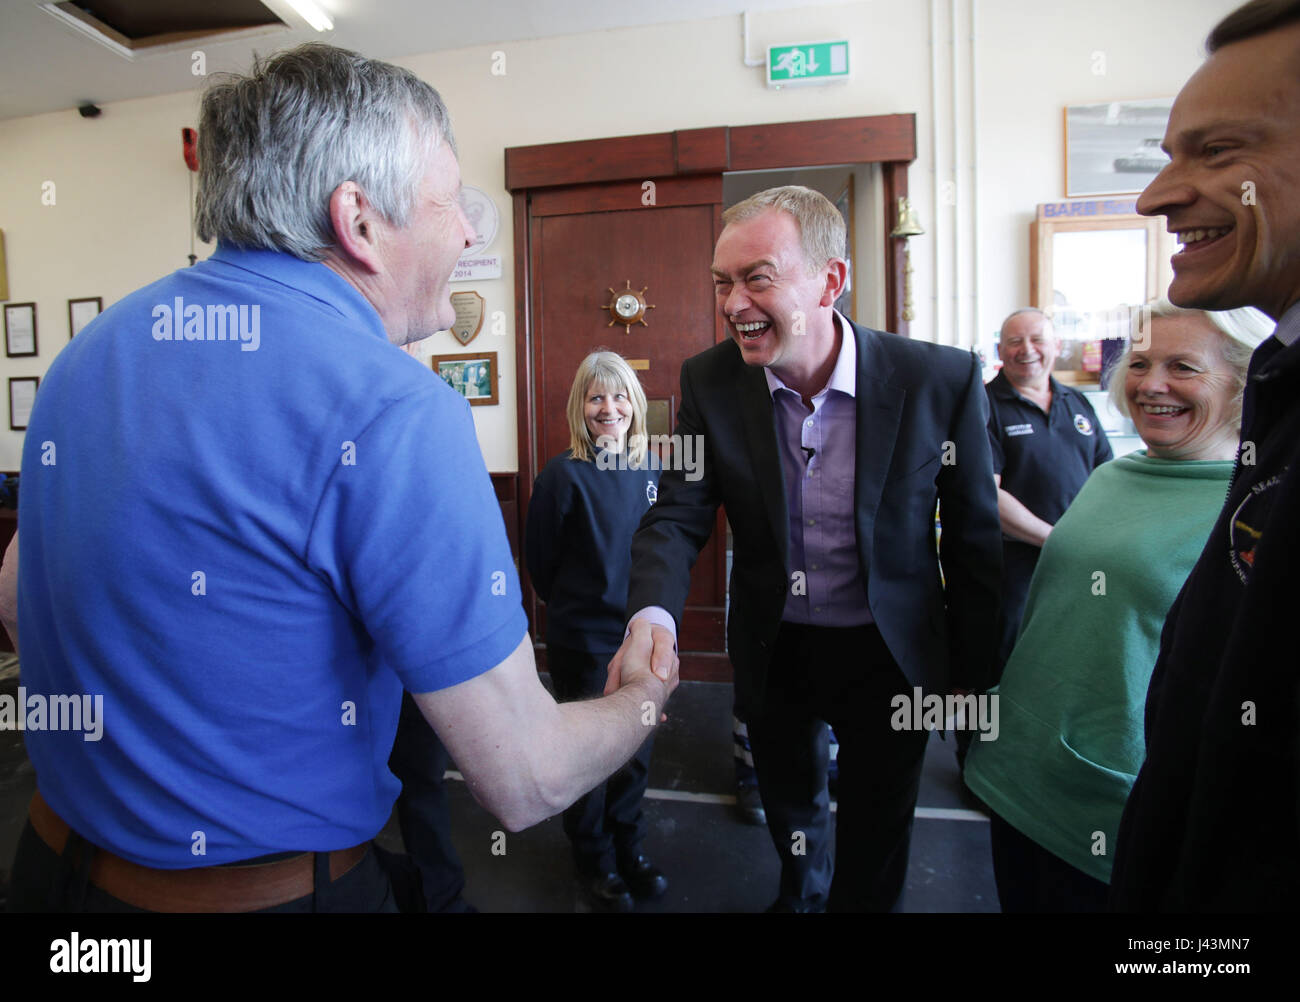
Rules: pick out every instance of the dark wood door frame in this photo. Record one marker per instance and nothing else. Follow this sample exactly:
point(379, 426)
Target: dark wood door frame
point(889, 140)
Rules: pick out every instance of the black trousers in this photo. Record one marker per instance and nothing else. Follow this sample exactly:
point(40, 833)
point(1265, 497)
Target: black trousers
point(44, 881)
point(1018, 563)
point(1031, 879)
point(605, 825)
point(419, 760)
point(844, 677)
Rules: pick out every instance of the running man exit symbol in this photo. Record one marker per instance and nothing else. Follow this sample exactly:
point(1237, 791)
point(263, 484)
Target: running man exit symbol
point(810, 63)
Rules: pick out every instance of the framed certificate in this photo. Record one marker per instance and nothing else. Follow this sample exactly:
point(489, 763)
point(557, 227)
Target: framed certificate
point(22, 394)
point(82, 312)
point(20, 329)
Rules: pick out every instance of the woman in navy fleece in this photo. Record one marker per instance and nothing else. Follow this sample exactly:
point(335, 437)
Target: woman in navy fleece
point(585, 507)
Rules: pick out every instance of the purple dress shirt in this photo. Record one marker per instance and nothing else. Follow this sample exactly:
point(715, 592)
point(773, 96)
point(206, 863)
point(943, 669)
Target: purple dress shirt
point(818, 456)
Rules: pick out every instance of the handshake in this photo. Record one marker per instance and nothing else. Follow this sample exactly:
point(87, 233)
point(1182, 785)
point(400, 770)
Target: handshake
point(648, 654)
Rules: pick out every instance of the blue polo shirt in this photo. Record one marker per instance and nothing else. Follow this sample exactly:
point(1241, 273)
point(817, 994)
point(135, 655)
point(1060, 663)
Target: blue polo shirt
point(248, 522)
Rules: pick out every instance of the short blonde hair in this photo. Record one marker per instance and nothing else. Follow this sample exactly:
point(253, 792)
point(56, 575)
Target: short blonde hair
point(822, 233)
point(610, 370)
point(1240, 332)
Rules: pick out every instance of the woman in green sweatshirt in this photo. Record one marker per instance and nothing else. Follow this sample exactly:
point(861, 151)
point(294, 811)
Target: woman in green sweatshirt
point(1070, 704)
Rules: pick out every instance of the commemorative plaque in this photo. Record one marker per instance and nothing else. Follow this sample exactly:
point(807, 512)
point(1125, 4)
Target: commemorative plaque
point(469, 315)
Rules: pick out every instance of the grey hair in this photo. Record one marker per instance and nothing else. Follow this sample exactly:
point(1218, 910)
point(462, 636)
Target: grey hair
point(274, 145)
point(822, 233)
point(1021, 312)
point(1241, 332)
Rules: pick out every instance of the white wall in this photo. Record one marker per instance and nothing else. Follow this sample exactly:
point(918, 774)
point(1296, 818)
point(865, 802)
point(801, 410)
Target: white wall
point(1033, 61)
point(119, 218)
point(121, 213)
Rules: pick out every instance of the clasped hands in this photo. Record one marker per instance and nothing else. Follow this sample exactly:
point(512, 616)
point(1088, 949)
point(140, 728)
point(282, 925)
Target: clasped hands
point(648, 652)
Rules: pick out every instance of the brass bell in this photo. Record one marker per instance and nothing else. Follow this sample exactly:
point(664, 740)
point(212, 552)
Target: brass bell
point(908, 224)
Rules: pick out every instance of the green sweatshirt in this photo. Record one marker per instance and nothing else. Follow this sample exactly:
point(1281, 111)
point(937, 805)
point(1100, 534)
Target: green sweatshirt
point(1071, 700)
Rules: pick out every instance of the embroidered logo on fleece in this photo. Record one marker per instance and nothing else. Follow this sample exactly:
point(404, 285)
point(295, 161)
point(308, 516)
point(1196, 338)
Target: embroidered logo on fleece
point(651, 491)
point(1246, 527)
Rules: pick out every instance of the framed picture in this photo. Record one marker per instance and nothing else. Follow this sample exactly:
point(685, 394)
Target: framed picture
point(20, 329)
point(473, 376)
point(1114, 148)
point(22, 394)
point(82, 312)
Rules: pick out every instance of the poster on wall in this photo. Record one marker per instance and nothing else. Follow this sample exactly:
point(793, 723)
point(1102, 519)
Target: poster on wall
point(1113, 148)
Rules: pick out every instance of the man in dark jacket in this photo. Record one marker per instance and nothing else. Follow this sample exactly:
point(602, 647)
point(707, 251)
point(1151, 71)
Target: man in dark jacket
point(1211, 824)
point(830, 446)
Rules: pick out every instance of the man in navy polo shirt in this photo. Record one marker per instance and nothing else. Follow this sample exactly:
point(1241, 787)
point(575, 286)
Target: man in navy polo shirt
point(1046, 441)
point(250, 520)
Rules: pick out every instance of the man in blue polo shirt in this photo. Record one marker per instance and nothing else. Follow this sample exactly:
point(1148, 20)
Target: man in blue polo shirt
point(1046, 441)
point(250, 520)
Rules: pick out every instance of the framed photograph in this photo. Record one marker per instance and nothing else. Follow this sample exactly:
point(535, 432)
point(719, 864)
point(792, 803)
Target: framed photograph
point(82, 312)
point(20, 329)
point(1114, 148)
point(473, 376)
point(22, 394)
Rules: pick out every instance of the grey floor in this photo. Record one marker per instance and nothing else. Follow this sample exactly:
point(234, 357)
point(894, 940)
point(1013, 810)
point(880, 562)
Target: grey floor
point(713, 861)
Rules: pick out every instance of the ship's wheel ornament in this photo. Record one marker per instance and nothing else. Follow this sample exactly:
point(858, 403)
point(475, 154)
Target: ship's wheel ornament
point(627, 307)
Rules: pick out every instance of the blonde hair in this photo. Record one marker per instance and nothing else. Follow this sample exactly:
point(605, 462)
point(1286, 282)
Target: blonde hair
point(822, 233)
point(610, 370)
point(1240, 332)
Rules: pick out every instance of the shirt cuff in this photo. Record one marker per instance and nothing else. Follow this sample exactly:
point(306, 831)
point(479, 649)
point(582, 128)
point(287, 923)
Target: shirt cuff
point(658, 616)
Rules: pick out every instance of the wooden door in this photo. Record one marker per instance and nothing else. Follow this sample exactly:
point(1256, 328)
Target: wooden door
point(585, 240)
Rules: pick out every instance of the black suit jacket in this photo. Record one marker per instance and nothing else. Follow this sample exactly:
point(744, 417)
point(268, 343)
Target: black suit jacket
point(921, 440)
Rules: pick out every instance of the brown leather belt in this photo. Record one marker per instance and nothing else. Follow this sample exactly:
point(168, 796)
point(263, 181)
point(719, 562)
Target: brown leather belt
point(232, 888)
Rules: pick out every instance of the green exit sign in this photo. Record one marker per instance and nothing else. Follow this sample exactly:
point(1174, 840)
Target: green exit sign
point(810, 63)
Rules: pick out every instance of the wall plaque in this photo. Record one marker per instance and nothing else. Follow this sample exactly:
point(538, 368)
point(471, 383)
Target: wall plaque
point(469, 315)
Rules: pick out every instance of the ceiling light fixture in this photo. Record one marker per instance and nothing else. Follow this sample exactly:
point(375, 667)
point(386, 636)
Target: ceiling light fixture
point(312, 14)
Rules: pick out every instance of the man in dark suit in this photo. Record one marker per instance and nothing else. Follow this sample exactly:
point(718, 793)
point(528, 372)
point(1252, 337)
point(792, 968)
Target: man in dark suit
point(829, 445)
